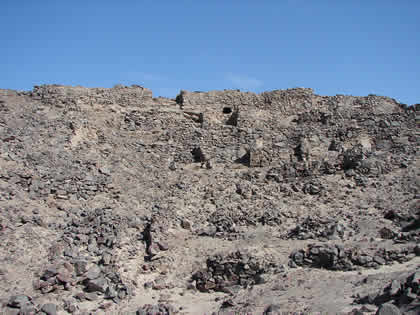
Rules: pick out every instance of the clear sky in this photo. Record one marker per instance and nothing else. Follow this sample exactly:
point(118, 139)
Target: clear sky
point(353, 47)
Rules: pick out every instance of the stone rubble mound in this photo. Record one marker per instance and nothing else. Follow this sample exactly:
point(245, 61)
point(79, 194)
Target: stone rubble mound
point(113, 201)
point(315, 228)
point(405, 294)
point(235, 270)
point(337, 257)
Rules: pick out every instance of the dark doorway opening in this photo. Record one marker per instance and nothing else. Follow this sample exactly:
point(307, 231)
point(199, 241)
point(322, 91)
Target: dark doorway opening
point(227, 110)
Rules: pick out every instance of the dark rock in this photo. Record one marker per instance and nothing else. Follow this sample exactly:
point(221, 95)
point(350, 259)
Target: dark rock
point(106, 259)
point(80, 267)
point(97, 285)
point(49, 272)
point(417, 250)
point(198, 155)
point(386, 233)
point(186, 224)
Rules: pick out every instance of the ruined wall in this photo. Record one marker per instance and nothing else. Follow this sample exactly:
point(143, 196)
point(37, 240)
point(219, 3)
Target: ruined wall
point(59, 95)
point(281, 120)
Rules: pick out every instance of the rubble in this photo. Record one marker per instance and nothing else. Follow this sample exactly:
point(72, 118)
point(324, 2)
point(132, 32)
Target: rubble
point(337, 257)
point(398, 296)
point(226, 271)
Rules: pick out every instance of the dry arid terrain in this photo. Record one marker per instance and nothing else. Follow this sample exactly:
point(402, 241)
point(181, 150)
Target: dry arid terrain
point(222, 202)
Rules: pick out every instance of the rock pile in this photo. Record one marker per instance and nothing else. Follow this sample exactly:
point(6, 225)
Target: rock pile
point(23, 304)
point(405, 294)
point(159, 309)
point(337, 257)
point(85, 264)
point(320, 229)
point(229, 272)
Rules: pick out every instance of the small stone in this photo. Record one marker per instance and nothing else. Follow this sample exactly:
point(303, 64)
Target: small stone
point(105, 171)
point(364, 259)
point(71, 308)
point(106, 258)
point(49, 272)
point(49, 309)
point(148, 285)
point(209, 165)
point(417, 250)
point(63, 278)
point(409, 295)
point(172, 166)
point(110, 293)
point(394, 287)
point(368, 308)
point(386, 233)
point(47, 288)
point(186, 224)
point(414, 280)
point(91, 296)
point(388, 309)
point(68, 267)
point(272, 309)
point(27, 309)
point(93, 248)
point(100, 284)
point(80, 266)
point(18, 301)
point(379, 260)
point(163, 246)
point(81, 296)
point(93, 273)
point(159, 284)
point(209, 230)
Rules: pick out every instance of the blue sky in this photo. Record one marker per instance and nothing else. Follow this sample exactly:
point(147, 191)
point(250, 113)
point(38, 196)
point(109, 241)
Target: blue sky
point(353, 47)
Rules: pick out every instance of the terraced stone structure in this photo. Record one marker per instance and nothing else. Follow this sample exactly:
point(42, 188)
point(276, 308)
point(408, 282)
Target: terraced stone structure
point(116, 202)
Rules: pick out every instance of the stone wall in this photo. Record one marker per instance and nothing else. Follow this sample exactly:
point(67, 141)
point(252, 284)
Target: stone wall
point(62, 96)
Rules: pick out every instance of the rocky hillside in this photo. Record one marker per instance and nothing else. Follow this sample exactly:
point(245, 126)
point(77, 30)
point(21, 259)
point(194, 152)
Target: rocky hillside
point(220, 202)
